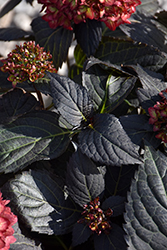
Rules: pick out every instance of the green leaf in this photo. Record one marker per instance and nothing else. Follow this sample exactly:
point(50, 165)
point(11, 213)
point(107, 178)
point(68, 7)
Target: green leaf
point(106, 142)
point(70, 99)
point(126, 52)
point(15, 103)
point(79, 56)
point(146, 209)
point(32, 137)
point(88, 35)
point(41, 202)
point(57, 41)
point(83, 179)
point(113, 241)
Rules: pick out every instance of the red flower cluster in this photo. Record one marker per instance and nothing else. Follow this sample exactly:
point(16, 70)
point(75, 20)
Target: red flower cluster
point(7, 220)
point(111, 12)
point(27, 62)
point(158, 118)
point(95, 218)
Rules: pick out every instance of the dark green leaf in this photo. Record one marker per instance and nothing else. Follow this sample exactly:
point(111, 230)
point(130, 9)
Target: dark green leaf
point(83, 179)
point(113, 241)
point(70, 99)
point(81, 233)
point(116, 203)
point(118, 180)
point(57, 41)
point(23, 242)
point(88, 35)
point(146, 209)
point(15, 103)
point(79, 56)
point(32, 137)
point(107, 142)
point(138, 128)
point(8, 7)
point(126, 52)
point(14, 33)
point(41, 202)
point(146, 29)
point(74, 71)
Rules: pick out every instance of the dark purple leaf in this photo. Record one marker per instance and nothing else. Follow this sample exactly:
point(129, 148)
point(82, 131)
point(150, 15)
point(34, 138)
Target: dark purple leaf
point(57, 41)
point(32, 137)
point(88, 35)
point(70, 99)
point(107, 142)
point(81, 233)
point(9, 6)
point(118, 180)
point(116, 203)
point(83, 179)
point(42, 204)
point(123, 52)
point(15, 103)
point(113, 241)
point(146, 209)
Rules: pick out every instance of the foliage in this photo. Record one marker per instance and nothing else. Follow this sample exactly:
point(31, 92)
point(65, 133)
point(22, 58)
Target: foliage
point(89, 170)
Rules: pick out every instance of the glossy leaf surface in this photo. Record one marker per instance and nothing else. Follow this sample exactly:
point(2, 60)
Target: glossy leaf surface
point(70, 99)
point(83, 179)
point(15, 103)
point(42, 203)
point(125, 52)
point(57, 41)
point(112, 241)
point(32, 137)
point(88, 35)
point(146, 209)
point(107, 142)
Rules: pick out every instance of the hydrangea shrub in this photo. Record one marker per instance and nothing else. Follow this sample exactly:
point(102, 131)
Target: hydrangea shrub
point(89, 169)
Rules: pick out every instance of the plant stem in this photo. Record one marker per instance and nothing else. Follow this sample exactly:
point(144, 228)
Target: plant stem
point(39, 96)
point(61, 242)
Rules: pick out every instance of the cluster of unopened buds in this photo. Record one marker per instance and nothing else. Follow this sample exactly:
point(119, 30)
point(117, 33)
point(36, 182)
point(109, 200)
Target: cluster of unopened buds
point(64, 12)
point(95, 218)
point(158, 118)
point(27, 62)
point(7, 220)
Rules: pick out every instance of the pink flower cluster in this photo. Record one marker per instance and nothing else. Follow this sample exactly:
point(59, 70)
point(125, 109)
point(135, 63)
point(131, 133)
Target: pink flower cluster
point(111, 12)
point(95, 218)
point(27, 62)
point(158, 118)
point(7, 220)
